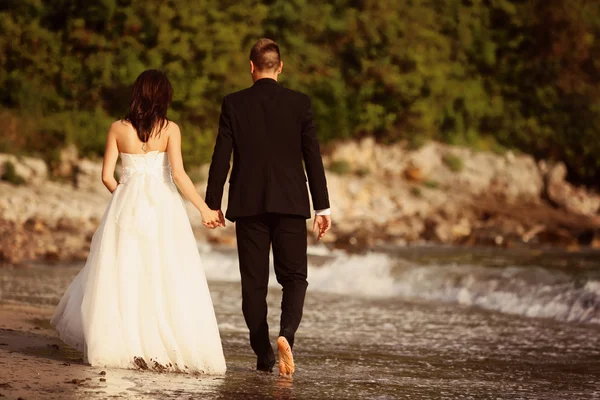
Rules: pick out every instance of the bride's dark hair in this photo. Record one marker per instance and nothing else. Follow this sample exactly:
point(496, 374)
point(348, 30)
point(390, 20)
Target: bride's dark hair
point(150, 100)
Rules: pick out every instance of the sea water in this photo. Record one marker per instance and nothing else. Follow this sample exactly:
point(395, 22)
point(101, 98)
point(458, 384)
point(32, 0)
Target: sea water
point(398, 323)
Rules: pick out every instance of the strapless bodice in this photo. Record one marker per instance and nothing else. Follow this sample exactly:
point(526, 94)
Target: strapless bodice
point(154, 163)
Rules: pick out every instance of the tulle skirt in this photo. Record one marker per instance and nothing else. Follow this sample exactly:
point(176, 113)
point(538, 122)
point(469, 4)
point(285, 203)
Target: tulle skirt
point(142, 300)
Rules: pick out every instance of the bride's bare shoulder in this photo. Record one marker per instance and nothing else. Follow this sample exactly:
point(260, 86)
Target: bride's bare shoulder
point(121, 126)
point(172, 127)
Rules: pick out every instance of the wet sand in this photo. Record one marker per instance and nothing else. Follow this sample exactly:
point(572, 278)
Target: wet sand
point(35, 364)
point(348, 347)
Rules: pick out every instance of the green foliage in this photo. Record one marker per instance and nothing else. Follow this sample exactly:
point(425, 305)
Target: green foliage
point(431, 184)
point(67, 68)
point(10, 174)
point(453, 162)
point(415, 142)
point(363, 171)
point(493, 75)
point(416, 191)
point(340, 167)
point(489, 143)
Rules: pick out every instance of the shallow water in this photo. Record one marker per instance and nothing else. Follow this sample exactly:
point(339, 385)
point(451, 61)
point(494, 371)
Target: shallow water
point(401, 324)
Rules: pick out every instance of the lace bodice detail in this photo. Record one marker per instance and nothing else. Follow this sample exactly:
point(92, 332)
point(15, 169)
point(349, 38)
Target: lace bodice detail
point(154, 164)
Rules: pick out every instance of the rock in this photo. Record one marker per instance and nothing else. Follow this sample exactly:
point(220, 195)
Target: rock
point(557, 188)
point(461, 229)
point(436, 230)
point(510, 157)
point(68, 161)
point(89, 176)
point(367, 156)
point(396, 229)
point(414, 174)
point(34, 239)
point(52, 253)
point(564, 195)
point(533, 232)
point(521, 178)
point(32, 170)
point(35, 225)
point(384, 208)
point(408, 229)
point(421, 163)
point(595, 243)
point(55, 220)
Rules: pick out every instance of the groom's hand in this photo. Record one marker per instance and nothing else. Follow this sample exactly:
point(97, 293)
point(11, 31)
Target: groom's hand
point(322, 224)
point(211, 218)
point(222, 218)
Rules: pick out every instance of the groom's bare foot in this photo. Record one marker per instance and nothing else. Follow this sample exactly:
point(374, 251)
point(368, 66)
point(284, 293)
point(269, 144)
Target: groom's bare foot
point(286, 358)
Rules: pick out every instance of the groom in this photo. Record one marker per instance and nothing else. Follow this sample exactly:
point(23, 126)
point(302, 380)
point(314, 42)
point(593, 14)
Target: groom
point(270, 130)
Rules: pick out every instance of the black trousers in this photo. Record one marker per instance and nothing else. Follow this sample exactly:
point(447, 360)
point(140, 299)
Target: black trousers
point(255, 236)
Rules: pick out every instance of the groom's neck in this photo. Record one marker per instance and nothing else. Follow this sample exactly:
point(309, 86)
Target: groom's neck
point(259, 76)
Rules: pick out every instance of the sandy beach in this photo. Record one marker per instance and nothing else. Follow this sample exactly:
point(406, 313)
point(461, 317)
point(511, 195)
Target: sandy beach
point(35, 364)
point(429, 323)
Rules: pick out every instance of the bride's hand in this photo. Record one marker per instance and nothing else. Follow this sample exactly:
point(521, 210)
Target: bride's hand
point(211, 218)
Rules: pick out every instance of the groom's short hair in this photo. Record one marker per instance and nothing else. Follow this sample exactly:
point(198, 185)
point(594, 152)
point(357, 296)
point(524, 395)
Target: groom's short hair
point(265, 55)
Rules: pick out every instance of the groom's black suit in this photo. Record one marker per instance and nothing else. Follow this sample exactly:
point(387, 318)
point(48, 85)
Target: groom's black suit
point(270, 130)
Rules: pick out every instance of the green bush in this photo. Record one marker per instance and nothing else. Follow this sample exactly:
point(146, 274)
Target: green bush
point(340, 167)
point(417, 141)
point(485, 80)
point(416, 191)
point(453, 162)
point(363, 171)
point(488, 143)
point(10, 174)
point(431, 184)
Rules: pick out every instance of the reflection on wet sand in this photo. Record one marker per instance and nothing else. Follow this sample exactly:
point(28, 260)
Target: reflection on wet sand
point(252, 385)
point(35, 364)
point(283, 389)
point(383, 348)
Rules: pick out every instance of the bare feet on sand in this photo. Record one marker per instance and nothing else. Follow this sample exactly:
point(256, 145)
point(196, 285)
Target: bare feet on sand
point(286, 359)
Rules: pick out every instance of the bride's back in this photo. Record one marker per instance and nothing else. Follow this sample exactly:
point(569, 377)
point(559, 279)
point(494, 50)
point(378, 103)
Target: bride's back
point(128, 141)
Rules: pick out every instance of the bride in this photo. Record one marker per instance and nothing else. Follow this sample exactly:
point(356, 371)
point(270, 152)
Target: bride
point(141, 300)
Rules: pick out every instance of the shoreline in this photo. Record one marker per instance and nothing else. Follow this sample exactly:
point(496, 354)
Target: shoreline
point(38, 365)
point(419, 355)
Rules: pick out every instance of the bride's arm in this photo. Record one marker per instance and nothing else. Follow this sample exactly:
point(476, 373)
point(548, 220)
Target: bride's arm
point(210, 218)
point(111, 154)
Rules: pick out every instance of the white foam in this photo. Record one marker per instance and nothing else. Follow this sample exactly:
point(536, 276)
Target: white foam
point(363, 275)
point(528, 291)
point(220, 266)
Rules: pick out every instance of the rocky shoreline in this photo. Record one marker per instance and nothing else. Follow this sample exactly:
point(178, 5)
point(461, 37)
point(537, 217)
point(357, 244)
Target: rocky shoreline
point(381, 195)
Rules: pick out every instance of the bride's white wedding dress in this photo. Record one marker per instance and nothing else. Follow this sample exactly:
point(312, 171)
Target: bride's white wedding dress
point(142, 299)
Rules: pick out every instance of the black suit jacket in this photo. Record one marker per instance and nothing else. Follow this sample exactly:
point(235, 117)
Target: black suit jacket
point(270, 130)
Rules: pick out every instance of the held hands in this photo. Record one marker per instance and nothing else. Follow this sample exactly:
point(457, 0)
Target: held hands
point(212, 218)
point(322, 224)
